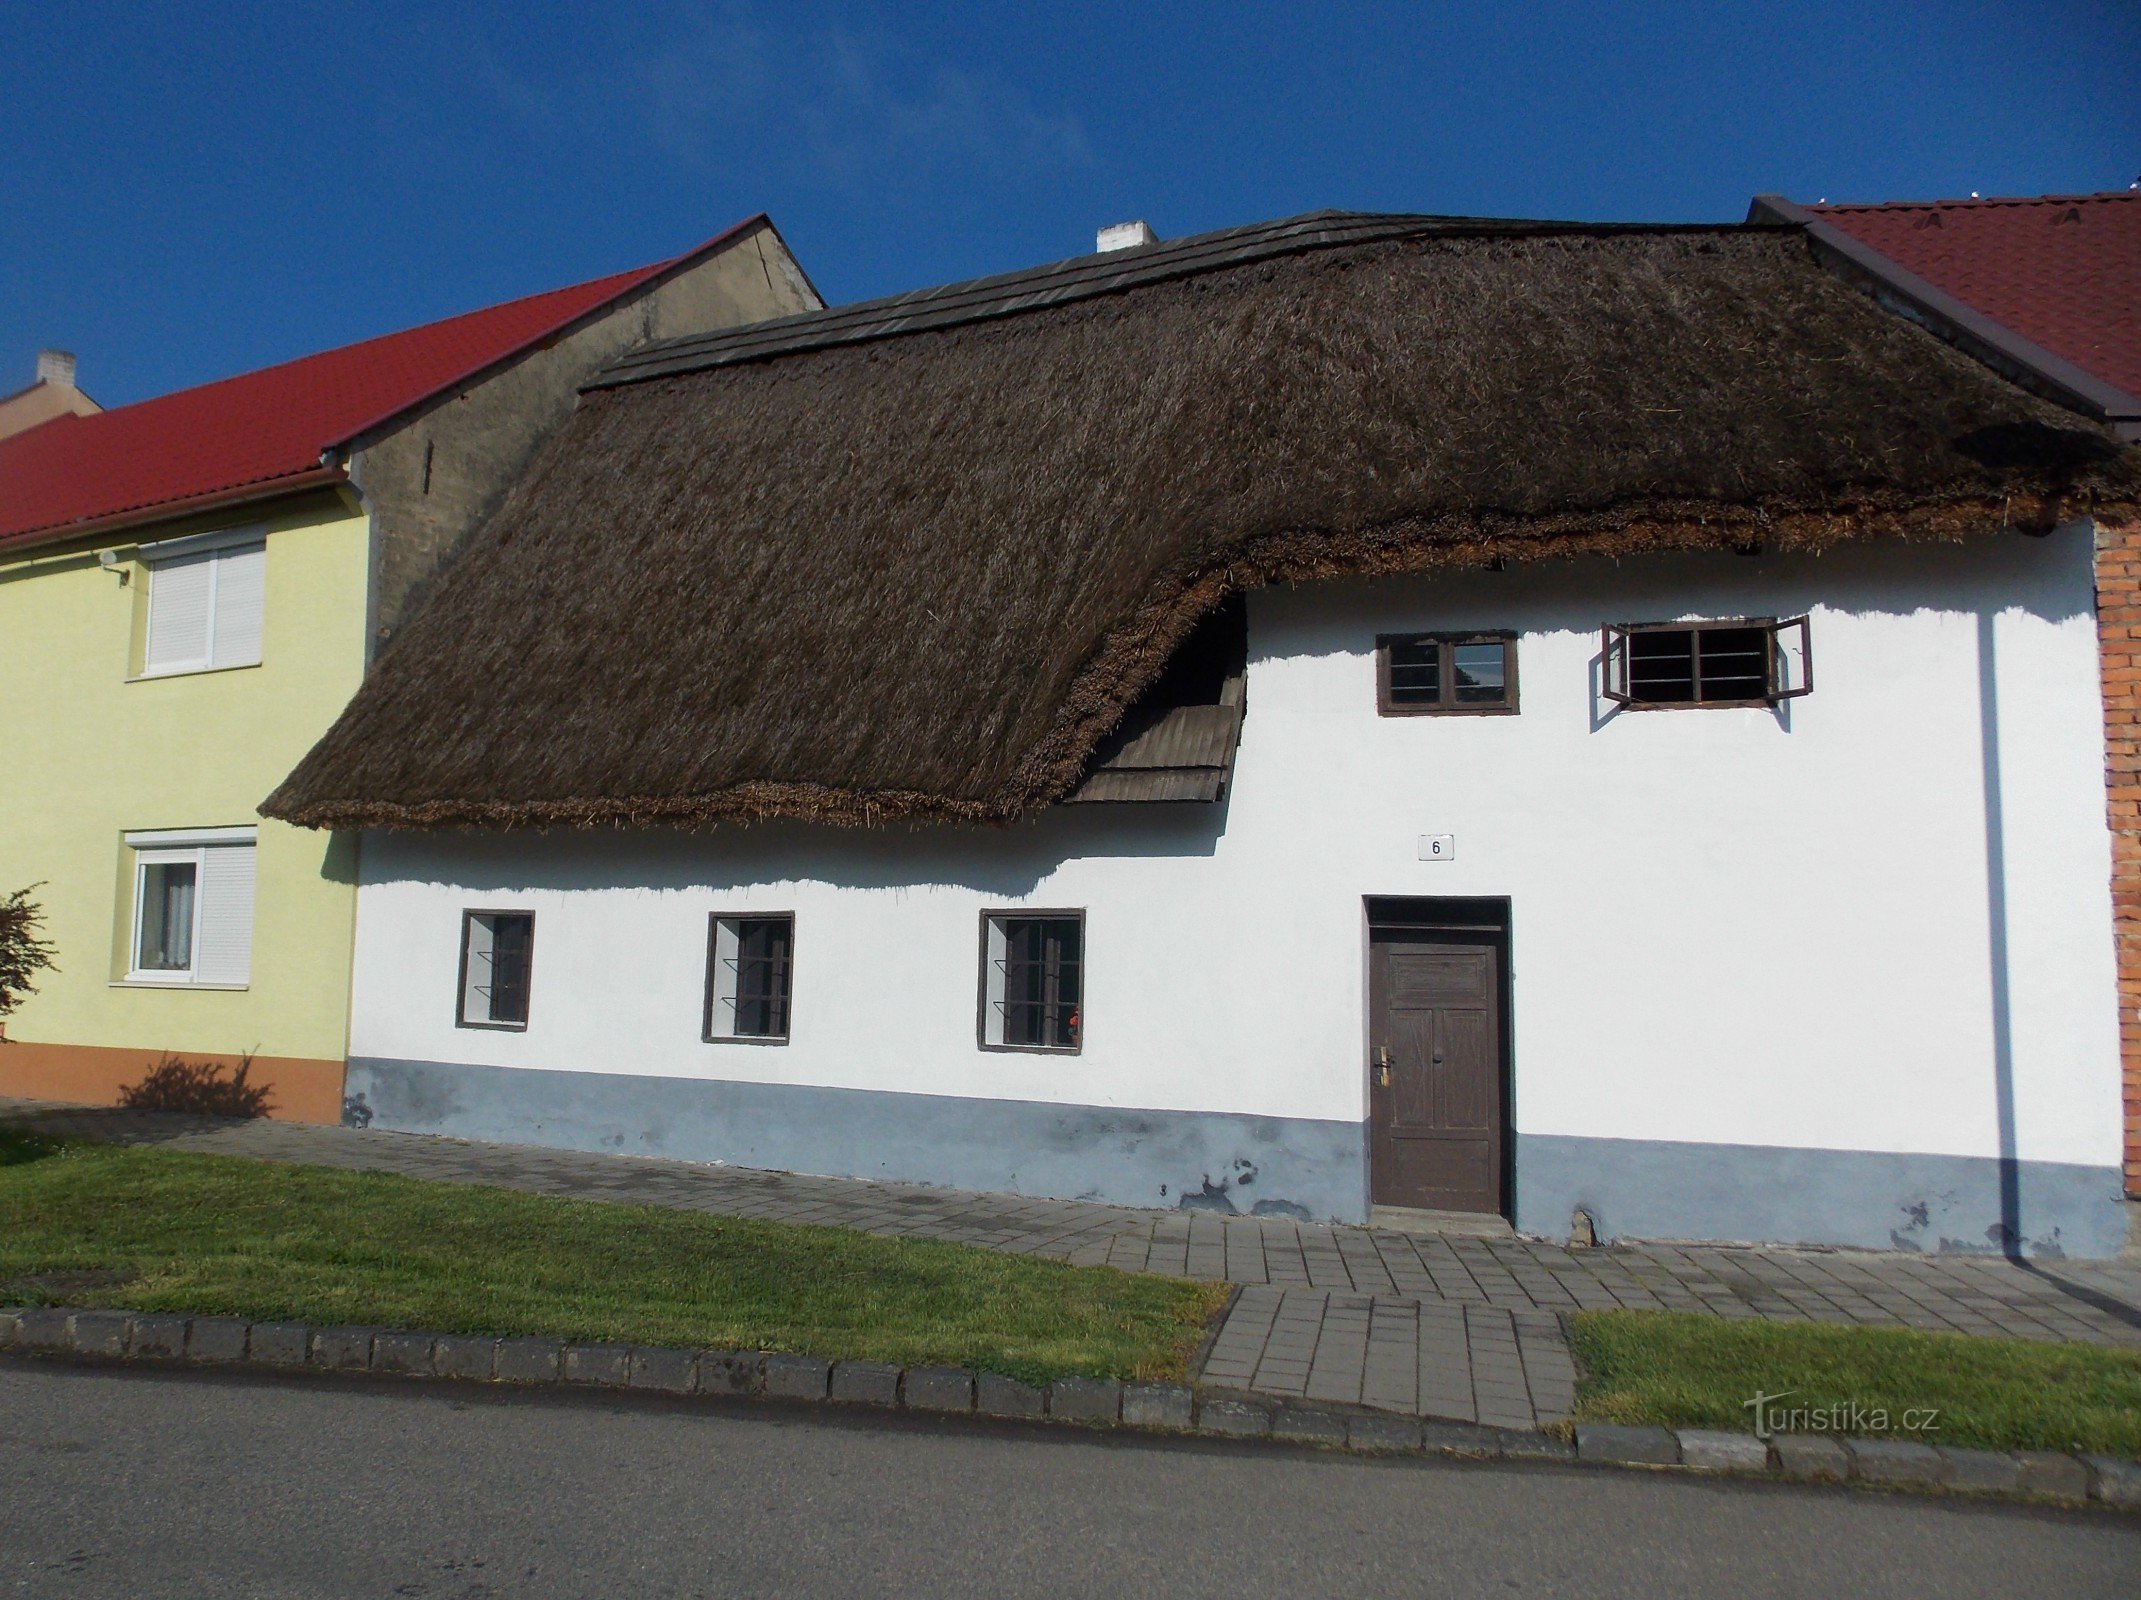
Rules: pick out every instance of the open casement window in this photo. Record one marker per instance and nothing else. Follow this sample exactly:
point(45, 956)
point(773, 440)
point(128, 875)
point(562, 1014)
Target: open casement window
point(1754, 661)
point(1445, 674)
point(497, 960)
point(206, 608)
point(1032, 976)
point(193, 907)
point(750, 962)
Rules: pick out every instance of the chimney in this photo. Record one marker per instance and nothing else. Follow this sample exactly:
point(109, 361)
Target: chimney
point(56, 367)
point(1125, 236)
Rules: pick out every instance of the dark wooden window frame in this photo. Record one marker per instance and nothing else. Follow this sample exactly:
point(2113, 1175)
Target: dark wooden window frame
point(981, 1016)
point(1445, 678)
point(1616, 634)
point(713, 956)
point(461, 1017)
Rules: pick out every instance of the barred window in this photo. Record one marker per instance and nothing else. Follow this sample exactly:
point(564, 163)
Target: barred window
point(1033, 981)
point(749, 965)
point(1748, 662)
point(497, 963)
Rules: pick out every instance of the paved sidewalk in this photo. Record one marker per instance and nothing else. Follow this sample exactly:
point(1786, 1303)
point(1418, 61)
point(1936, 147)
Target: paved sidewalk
point(1433, 1324)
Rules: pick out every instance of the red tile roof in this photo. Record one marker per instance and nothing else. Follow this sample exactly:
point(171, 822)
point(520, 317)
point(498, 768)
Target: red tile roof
point(264, 431)
point(2063, 271)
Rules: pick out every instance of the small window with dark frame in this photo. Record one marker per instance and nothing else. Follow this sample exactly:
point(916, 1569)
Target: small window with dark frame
point(750, 963)
point(1444, 674)
point(1751, 661)
point(497, 959)
point(1032, 978)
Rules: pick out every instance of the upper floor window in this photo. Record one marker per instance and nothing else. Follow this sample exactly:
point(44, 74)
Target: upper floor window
point(1428, 674)
point(1032, 975)
point(205, 608)
point(749, 965)
point(497, 963)
point(1753, 661)
point(193, 907)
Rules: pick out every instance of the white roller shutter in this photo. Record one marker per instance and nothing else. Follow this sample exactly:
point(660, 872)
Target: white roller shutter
point(181, 613)
point(241, 590)
point(223, 941)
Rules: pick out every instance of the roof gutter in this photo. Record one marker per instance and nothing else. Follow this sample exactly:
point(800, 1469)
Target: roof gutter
point(1999, 347)
point(216, 499)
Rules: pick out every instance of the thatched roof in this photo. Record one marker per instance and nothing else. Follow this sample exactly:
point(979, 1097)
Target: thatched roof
point(917, 559)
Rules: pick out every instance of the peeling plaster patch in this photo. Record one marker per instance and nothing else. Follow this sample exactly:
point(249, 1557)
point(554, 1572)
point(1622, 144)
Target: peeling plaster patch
point(355, 1113)
point(1281, 1208)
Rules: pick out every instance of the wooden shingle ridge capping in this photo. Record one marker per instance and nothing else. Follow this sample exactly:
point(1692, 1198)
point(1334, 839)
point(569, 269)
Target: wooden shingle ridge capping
point(2118, 612)
point(925, 577)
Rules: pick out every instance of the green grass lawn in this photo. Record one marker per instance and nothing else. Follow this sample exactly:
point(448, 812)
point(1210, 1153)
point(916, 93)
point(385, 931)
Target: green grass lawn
point(95, 1225)
point(1682, 1370)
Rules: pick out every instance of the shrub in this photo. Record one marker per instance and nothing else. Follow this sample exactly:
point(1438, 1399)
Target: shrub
point(22, 954)
point(204, 1088)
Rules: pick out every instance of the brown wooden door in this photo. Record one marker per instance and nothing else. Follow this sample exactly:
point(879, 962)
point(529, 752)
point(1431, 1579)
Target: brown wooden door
point(1435, 1070)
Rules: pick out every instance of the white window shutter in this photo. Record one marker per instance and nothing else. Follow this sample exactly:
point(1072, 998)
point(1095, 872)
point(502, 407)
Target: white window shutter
point(241, 591)
point(223, 946)
point(180, 596)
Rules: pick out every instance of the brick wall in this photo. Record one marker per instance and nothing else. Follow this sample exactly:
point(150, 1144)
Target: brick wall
point(2118, 612)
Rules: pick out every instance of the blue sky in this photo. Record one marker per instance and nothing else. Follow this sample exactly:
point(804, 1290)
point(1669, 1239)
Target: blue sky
point(191, 190)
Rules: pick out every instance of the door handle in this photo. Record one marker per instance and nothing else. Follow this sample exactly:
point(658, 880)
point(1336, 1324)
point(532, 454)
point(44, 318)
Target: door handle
point(1382, 1066)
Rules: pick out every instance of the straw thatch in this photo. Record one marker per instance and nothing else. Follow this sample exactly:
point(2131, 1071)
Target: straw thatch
point(924, 575)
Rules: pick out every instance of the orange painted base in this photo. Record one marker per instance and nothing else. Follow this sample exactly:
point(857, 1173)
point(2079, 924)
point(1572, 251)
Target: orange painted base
point(299, 1089)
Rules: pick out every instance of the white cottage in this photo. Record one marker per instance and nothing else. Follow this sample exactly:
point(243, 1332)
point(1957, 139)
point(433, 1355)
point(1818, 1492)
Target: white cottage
point(1599, 726)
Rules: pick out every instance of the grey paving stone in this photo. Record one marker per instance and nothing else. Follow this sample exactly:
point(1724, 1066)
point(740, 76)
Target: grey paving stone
point(1810, 1457)
point(1897, 1461)
point(1085, 1399)
point(998, 1396)
point(1382, 1433)
point(156, 1337)
point(797, 1377)
point(2115, 1481)
point(938, 1389)
point(869, 1383)
point(529, 1360)
point(343, 1349)
point(1242, 1419)
point(404, 1352)
point(732, 1371)
point(1628, 1447)
point(1715, 1450)
point(465, 1355)
point(97, 1333)
point(1159, 1405)
point(1305, 1426)
point(2052, 1475)
point(609, 1365)
point(216, 1338)
point(1984, 1471)
point(670, 1371)
point(278, 1344)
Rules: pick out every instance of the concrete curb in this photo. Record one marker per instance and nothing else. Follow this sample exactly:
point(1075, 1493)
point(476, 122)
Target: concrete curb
point(104, 1337)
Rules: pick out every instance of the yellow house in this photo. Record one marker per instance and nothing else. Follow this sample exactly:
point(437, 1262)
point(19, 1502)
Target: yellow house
point(190, 590)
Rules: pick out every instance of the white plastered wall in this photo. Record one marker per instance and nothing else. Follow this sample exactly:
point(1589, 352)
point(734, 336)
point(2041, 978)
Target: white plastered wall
point(1731, 926)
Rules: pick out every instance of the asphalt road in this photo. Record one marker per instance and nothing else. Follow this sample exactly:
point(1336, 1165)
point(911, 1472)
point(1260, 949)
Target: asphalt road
point(139, 1484)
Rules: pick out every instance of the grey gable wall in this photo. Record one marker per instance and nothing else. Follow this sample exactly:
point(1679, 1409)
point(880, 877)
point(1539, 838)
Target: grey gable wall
point(433, 478)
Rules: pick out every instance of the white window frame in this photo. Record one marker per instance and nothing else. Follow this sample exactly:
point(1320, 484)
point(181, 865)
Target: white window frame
point(170, 847)
point(154, 556)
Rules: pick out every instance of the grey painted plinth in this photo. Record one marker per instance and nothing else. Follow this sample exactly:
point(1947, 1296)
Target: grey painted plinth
point(1270, 1166)
point(1870, 1199)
